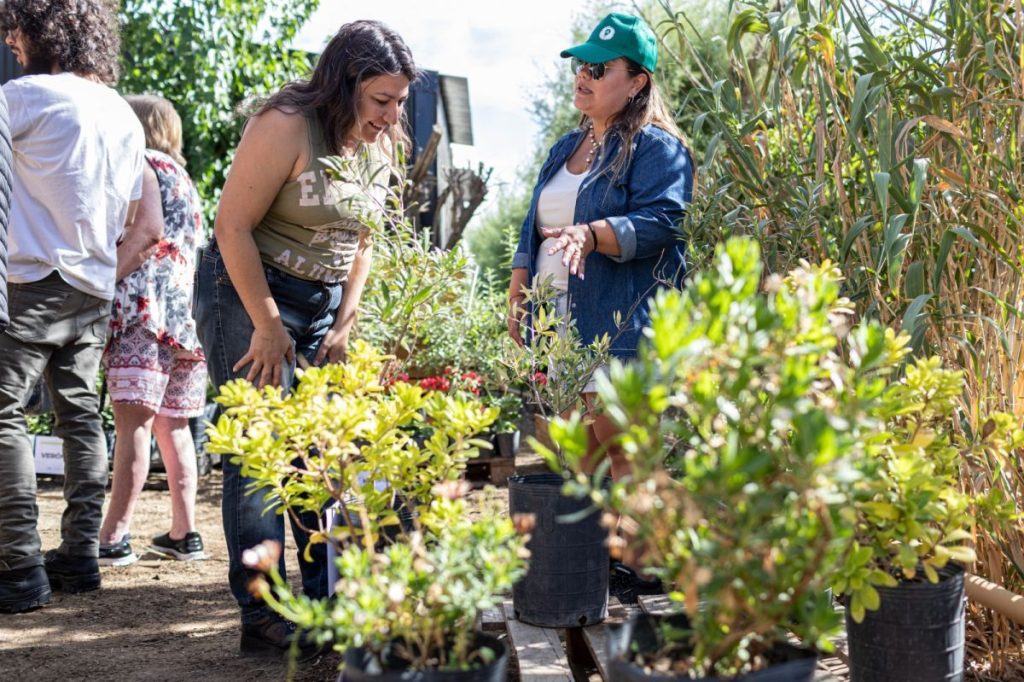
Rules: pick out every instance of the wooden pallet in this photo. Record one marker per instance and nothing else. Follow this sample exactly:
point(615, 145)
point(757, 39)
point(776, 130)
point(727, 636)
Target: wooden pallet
point(491, 470)
point(550, 655)
point(539, 652)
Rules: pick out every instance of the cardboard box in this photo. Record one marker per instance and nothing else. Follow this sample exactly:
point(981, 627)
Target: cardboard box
point(49, 452)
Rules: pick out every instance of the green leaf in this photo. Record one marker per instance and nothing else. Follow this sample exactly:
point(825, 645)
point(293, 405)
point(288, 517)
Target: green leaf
point(871, 47)
point(857, 608)
point(914, 280)
point(746, 21)
point(864, 97)
point(914, 315)
point(870, 598)
point(964, 555)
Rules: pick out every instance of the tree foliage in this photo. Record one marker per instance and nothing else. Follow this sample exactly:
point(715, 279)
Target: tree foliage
point(208, 57)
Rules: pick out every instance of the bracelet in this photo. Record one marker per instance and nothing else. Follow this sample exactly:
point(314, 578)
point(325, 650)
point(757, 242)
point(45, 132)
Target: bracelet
point(593, 234)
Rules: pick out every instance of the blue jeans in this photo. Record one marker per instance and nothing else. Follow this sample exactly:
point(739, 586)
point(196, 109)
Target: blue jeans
point(225, 330)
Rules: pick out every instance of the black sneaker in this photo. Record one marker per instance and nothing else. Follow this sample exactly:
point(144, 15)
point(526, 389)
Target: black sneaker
point(72, 573)
point(272, 637)
point(627, 585)
point(118, 554)
point(189, 548)
point(23, 589)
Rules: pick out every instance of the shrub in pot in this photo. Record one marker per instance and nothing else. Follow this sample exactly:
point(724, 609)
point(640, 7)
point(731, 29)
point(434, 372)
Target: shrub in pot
point(743, 424)
point(344, 437)
point(552, 364)
point(408, 610)
point(568, 580)
point(902, 579)
point(506, 426)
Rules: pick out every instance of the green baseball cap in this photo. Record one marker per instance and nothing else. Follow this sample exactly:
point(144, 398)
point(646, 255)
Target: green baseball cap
point(619, 35)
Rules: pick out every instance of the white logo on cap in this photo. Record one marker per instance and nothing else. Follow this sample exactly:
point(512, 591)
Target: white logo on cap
point(607, 33)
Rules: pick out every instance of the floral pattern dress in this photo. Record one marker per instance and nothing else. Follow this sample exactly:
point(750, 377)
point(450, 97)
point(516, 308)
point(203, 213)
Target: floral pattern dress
point(158, 295)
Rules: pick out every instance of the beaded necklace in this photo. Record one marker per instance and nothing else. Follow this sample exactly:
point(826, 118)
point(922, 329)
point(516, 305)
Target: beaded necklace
point(594, 146)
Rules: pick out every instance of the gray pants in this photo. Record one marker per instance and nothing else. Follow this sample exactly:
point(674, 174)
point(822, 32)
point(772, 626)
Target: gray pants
point(57, 333)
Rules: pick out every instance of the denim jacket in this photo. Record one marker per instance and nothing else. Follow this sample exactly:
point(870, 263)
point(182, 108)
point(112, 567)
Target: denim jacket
point(644, 207)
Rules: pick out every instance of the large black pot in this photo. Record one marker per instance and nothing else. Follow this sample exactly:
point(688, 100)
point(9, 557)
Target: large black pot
point(361, 667)
point(916, 635)
point(567, 582)
point(642, 635)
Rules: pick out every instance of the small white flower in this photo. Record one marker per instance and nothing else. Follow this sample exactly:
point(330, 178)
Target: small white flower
point(396, 593)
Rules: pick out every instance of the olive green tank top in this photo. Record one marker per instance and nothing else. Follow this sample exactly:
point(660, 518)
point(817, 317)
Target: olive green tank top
point(312, 228)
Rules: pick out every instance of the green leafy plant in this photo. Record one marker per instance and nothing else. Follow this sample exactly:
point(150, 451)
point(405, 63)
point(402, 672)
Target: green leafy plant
point(416, 600)
point(874, 134)
point(743, 425)
point(553, 363)
point(510, 408)
point(425, 305)
point(911, 516)
point(345, 437)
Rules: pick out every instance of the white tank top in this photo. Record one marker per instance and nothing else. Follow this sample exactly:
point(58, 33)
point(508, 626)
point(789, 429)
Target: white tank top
point(556, 207)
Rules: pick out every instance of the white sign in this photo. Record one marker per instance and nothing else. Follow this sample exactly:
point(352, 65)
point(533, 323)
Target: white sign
point(49, 451)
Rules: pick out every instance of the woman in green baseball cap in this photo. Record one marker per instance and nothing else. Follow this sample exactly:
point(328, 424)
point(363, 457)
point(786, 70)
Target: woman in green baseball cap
point(604, 220)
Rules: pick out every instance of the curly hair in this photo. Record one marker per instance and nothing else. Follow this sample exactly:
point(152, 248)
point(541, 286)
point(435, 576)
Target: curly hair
point(80, 36)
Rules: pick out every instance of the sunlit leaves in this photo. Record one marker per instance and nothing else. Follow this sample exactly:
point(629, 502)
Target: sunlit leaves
point(342, 437)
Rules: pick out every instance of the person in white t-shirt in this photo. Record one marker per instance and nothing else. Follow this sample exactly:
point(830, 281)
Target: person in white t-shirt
point(78, 169)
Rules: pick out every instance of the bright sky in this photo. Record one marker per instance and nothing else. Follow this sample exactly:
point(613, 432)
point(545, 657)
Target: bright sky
point(504, 48)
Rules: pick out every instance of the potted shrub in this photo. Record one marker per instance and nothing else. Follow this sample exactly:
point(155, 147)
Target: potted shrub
point(506, 426)
point(344, 437)
point(743, 423)
point(552, 346)
point(567, 584)
point(903, 578)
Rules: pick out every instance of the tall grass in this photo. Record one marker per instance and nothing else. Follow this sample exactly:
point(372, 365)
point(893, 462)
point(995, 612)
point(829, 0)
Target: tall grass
point(886, 137)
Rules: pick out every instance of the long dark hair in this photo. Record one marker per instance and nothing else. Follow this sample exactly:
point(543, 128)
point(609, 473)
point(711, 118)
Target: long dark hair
point(648, 106)
point(80, 36)
point(359, 51)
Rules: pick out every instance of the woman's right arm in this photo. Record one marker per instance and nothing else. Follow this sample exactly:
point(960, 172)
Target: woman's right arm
point(267, 156)
point(516, 310)
point(522, 257)
point(143, 232)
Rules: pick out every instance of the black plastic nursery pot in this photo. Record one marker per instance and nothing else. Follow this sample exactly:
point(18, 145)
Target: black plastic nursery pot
point(916, 635)
point(642, 635)
point(567, 582)
point(507, 444)
point(360, 665)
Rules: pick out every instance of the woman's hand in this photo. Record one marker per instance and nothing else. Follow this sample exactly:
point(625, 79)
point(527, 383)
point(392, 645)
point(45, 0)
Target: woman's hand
point(516, 296)
point(575, 242)
point(516, 312)
point(269, 349)
point(334, 347)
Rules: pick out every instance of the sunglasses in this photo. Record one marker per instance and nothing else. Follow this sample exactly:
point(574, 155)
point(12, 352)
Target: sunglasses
point(596, 71)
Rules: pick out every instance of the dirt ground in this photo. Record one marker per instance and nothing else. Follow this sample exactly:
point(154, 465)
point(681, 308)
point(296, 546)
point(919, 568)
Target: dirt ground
point(154, 620)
